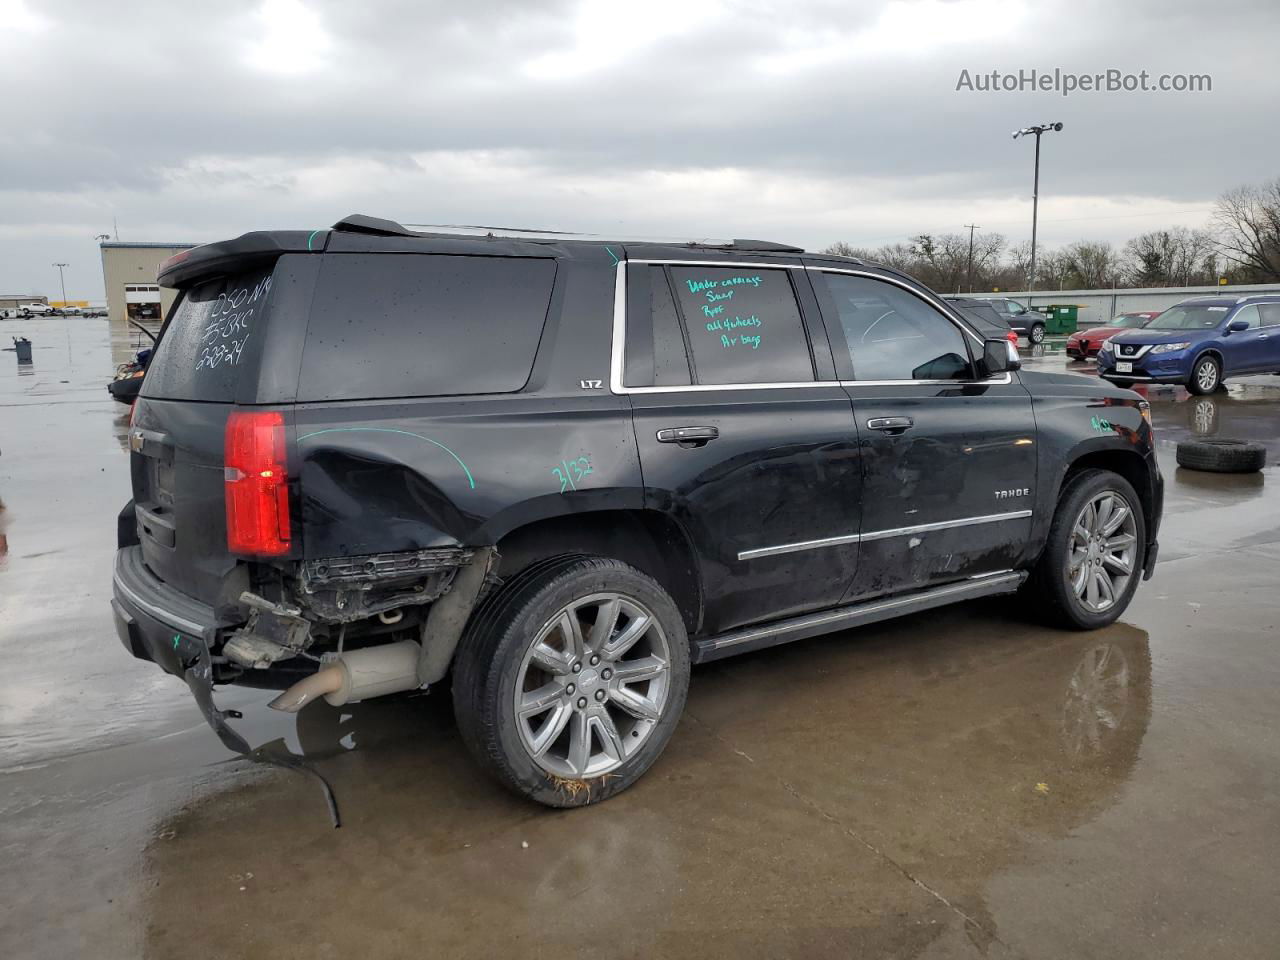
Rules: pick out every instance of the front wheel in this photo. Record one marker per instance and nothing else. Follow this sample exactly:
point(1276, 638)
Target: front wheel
point(571, 680)
point(1094, 556)
point(1206, 375)
point(1037, 334)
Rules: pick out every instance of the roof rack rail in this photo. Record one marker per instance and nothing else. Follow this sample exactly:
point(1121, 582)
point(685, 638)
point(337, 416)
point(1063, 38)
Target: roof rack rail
point(360, 223)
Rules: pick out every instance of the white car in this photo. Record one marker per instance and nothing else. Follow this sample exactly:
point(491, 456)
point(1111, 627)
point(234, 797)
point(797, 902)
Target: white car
point(35, 310)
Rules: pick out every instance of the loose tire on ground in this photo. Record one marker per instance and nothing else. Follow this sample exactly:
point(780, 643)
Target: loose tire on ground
point(518, 652)
point(1052, 588)
point(1222, 456)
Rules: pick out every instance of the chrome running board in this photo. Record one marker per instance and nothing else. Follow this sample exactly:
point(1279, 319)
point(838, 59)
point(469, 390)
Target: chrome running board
point(855, 615)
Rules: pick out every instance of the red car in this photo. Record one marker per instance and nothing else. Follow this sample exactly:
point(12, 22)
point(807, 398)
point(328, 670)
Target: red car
point(1085, 343)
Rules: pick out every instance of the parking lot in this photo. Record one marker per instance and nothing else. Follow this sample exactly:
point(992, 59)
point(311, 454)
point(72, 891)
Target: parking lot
point(958, 783)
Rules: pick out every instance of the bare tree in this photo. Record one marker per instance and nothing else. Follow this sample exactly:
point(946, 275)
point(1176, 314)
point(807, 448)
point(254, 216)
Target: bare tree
point(1171, 257)
point(942, 260)
point(842, 249)
point(1091, 265)
point(1247, 227)
point(897, 255)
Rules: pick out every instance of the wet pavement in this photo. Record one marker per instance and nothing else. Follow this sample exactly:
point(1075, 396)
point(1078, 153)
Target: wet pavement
point(960, 783)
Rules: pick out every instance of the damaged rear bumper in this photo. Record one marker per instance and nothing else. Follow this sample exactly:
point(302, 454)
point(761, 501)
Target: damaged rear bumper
point(158, 623)
point(155, 621)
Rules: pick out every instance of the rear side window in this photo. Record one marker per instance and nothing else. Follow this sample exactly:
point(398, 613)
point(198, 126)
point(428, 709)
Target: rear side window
point(744, 325)
point(656, 353)
point(1270, 314)
point(404, 325)
point(209, 337)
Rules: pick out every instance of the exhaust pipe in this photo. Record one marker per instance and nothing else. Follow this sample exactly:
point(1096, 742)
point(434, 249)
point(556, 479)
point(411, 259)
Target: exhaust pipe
point(356, 675)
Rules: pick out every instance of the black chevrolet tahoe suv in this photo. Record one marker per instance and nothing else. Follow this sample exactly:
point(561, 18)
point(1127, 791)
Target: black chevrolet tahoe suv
point(561, 471)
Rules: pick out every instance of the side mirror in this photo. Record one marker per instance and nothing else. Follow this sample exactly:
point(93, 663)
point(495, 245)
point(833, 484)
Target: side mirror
point(1237, 326)
point(999, 356)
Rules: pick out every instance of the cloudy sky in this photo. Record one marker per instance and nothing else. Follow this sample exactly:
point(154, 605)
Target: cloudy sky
point(807, 121)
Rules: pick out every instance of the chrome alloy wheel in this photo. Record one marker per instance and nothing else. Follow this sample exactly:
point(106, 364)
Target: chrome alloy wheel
point(1102, 551)
point(592, 686)
point(1207, 375)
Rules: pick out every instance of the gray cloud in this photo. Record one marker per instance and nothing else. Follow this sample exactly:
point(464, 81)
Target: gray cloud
point(809, 120)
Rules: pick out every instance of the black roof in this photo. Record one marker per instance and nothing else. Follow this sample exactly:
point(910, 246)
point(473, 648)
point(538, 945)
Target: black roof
point(362, 233)
point(361, 223)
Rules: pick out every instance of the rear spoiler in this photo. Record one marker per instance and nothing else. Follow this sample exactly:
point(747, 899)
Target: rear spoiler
point(232, 256)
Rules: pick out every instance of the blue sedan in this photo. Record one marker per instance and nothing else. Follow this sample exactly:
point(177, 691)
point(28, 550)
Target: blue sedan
point(1198, 343)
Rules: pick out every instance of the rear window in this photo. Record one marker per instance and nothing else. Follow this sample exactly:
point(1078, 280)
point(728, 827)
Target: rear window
point(400, 325)
point(743, 324)
point(207, 341)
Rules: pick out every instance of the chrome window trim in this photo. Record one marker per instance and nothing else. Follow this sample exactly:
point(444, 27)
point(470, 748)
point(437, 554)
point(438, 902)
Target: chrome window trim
point(616, 363)
point(924, 295)
point(782, 548)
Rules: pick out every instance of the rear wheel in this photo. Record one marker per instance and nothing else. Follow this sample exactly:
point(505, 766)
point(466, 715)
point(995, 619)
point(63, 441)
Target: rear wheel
point(1093, 559)
point(1206, 375)
point(570, 681)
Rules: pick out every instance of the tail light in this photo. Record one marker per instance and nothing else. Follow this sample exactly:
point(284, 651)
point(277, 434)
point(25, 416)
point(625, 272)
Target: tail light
point(256, 483)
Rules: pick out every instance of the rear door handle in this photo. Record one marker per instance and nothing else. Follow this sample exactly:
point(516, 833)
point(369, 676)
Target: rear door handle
point(890, 424)
point(688, 436)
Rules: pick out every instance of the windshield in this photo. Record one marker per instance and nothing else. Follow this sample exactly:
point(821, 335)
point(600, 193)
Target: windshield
point(1124, 320)
point(1188, 318)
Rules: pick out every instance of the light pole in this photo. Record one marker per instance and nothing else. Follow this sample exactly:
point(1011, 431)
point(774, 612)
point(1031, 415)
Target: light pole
point(1035, 190)
point(969, 270)
point(63, 281)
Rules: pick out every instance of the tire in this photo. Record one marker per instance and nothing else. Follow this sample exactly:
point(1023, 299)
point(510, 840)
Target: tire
point(1206, 376)
point(1222, 456)
point(1051, 586)
point(540, 753)
point(1036, 334)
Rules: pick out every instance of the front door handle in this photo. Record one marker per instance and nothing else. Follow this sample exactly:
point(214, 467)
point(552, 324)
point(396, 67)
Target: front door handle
point(688, 436)
point(891, 425)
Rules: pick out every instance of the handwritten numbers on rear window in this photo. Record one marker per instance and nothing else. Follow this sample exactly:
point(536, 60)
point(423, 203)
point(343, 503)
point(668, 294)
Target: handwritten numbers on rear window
point(570, 473)
point(228, 324)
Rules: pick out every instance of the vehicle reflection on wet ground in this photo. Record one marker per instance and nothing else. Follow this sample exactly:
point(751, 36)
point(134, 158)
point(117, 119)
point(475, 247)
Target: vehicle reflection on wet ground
point(961, 783)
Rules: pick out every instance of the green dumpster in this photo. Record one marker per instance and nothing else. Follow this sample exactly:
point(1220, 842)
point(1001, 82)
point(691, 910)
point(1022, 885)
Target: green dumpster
point(1063, 317)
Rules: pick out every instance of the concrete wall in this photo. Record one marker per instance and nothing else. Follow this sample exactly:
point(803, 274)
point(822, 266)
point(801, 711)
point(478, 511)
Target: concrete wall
point(124, 263)
point(1099, 306)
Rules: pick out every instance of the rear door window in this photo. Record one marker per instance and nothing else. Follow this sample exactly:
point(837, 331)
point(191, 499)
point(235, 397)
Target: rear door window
point(656, 352)
point(409, 325)
point(206, 344)
point(743, 325)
